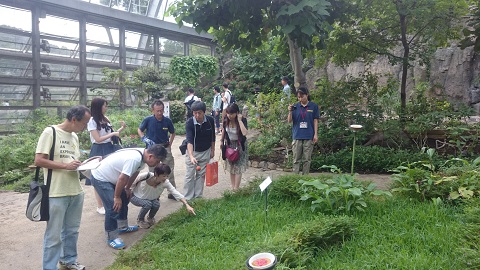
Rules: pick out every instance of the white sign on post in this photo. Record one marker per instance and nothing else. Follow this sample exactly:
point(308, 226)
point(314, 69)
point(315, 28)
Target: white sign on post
point(265, 184)
point(166, 109)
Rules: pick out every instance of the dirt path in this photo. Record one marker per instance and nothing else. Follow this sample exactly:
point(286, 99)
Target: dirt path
point(21, 239)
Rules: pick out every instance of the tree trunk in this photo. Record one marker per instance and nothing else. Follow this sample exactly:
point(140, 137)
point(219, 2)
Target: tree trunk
point(296, 60)
point(406, 53)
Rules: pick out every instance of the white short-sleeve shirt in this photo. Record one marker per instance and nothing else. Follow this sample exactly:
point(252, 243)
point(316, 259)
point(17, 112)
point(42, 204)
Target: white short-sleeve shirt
point(126, 161)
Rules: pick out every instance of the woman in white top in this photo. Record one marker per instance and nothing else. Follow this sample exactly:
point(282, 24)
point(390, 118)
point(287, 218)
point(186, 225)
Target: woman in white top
point(147, 189)
point(101, 133)
point(235, 136)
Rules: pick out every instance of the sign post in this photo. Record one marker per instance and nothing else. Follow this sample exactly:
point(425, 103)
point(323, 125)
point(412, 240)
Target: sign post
point(264, 186)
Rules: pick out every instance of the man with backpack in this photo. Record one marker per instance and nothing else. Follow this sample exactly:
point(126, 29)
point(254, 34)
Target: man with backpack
point(189, 101)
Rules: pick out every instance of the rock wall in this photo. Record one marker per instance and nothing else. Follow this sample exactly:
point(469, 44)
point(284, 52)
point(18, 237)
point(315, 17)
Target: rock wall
point(455, 73)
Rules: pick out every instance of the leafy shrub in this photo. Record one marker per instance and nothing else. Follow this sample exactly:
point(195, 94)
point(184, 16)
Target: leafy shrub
point(296, 246)
point(23, 184)
point(369, 159)
point(340, 193)
point(177, 111)
point(187, 71)
point(352, 101)
point(180, 128)
point(451, 184)
point(288, 186)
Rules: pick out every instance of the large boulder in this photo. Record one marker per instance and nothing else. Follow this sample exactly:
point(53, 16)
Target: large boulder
point(453, 72)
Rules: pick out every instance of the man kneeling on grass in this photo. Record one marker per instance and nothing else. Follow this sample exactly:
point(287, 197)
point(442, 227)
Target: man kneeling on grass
point(147, 189)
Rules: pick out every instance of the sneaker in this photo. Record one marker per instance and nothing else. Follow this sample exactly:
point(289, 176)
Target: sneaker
point(143, 224)
point(151, 221)
point(101, 210)
point(116, 243)
point(74, 266)
point(171, 197)
point(129, 229)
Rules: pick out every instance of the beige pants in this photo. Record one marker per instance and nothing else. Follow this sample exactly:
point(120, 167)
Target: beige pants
point(302, 151)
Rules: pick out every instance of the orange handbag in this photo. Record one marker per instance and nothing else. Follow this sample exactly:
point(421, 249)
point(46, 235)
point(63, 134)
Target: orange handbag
point(211, 177)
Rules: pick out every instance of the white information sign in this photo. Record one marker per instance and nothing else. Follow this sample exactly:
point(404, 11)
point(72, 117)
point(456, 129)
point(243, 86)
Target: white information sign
point(265, 183)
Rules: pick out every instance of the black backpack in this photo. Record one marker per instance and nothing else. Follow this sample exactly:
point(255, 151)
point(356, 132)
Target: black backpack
point(188, 104)
point(232, 97)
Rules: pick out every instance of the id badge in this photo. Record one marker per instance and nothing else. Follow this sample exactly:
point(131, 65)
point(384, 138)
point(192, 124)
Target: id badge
point(303, 124)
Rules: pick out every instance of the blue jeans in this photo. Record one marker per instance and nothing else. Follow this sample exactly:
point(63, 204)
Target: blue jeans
point(217, 119)
point(61, 234)
point(113, 220)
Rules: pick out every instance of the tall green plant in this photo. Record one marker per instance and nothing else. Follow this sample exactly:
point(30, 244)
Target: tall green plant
point(187, 71)
point(339, 194)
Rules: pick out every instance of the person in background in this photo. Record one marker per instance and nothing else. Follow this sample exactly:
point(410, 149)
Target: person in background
point(227, 95)
point(286, 88)
point(66, 194)
point(304, 115)
point(235, 136)
point(200, 133)
point(147, 189)
point(157, 128)
point(101, 133)
point(113, 179)
point(191, 97)
point(217, 108)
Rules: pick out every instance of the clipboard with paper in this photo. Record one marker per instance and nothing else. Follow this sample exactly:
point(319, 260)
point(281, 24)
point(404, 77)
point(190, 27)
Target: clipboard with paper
point(88, 165)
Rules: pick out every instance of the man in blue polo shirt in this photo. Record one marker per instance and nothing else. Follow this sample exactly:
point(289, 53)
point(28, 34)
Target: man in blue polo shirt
point(200, 135)
point(158, 127)
point(304, 115)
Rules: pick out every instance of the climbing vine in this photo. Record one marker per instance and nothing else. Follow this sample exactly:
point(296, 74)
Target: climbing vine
point(188, 71)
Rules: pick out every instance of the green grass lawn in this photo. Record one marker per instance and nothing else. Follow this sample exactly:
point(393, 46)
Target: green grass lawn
point(392, 234)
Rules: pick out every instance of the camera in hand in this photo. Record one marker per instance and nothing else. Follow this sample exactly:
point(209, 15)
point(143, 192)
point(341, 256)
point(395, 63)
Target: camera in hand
point(294, 107)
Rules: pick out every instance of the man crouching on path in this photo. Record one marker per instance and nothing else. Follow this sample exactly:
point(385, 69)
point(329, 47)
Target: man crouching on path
point(112, 181)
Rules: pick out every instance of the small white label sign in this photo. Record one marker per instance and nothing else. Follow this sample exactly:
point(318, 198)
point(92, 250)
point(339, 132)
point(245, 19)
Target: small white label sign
point(265, 183)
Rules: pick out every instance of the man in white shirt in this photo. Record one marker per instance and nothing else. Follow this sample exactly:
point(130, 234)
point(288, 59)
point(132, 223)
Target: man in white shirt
point(216, 107)
point(189, 101)
point(227, 95)
point(286, 88)
point(112, 181)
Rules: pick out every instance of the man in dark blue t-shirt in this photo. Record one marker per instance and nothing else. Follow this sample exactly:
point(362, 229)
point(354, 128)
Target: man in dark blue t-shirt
point(304, 115)
point(158, 128)
point(200, 131)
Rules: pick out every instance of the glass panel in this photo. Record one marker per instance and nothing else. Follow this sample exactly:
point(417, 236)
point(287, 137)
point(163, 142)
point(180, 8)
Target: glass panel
point(15, 18)
point(11, 67)
point(196, 49)
point(138, 41)
point(102, 35)
point(11, 94)
point(58, 71)
point(140, 59)
point(59, 27)
point(94, 74)
point(109, 94)
point(59, 94)
point(172, 47)
point(139, 6)
point(59, 48)
point(103, 54)
point(14, 42)
point(99, 2)
point(10, 118)
point(165, 62)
